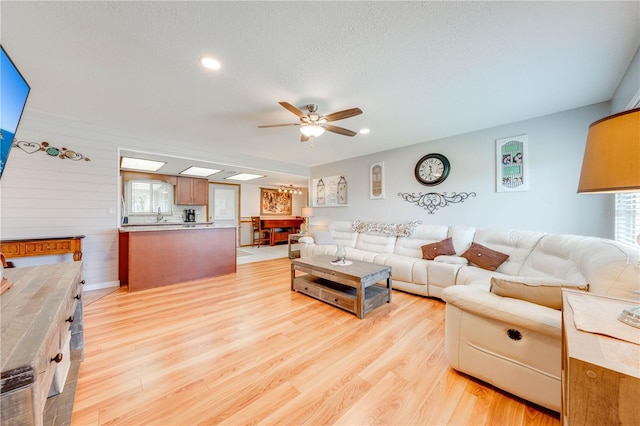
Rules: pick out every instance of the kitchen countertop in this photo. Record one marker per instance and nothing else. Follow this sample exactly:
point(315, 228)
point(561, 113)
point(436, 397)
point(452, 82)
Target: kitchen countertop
point(172, 227)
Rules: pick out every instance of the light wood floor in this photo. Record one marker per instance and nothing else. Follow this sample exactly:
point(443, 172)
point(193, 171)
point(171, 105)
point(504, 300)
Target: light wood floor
point(244, 349)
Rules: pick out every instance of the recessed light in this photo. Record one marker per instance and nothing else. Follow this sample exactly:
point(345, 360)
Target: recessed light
point(141, 164)
point(208, 62)
point(199, 171)
point(364, 131)
point(244, 176)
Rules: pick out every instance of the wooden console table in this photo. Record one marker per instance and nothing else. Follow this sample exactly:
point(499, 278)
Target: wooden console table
point(600, 374)
point(25, 247)
point(42, 340)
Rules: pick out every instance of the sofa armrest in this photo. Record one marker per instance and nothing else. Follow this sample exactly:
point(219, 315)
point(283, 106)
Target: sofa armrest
point(518, 313)
point(306, 240)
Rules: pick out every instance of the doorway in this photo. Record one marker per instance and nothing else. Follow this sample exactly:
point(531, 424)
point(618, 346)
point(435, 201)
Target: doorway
point(224, 205)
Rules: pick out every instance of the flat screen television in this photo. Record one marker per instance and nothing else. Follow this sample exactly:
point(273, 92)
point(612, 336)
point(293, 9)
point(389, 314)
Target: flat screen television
point(14, 91)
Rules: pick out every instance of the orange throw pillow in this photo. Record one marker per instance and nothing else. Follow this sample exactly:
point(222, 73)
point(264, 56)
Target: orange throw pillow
point(444, 248)
point(484, 257)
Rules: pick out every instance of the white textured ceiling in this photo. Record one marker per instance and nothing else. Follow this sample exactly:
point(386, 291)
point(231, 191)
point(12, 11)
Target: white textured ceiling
point(418, 70)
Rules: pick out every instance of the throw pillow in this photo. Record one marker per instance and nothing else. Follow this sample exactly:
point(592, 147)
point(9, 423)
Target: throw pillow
point(484, 257)
point(441, 248)
point(323, 238)
point(534, 290)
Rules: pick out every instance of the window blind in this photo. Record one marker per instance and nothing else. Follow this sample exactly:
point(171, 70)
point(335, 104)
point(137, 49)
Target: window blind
point(627, 217)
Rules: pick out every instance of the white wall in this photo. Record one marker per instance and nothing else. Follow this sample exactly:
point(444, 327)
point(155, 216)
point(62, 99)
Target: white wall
point(556, 146)
point(629, 88)
point(250, 200)
point(44, 196)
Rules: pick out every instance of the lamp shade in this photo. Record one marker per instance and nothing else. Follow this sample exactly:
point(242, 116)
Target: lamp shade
point(307, 212)
point(611, 160)
point(311, 130)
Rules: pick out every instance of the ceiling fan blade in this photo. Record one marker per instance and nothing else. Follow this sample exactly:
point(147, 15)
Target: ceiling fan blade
point(304, 138)
point(341, 115)
point(279, 125)
point(340, 130)
point(291, 108)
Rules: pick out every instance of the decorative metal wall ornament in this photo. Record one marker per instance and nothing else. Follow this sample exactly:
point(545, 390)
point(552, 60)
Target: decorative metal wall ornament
point(63, 153)
point(432, 201)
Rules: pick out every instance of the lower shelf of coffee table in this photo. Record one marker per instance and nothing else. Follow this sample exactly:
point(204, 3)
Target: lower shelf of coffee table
point(340, 295)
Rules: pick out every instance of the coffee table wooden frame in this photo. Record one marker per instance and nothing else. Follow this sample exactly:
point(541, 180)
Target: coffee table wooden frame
point(352, 287)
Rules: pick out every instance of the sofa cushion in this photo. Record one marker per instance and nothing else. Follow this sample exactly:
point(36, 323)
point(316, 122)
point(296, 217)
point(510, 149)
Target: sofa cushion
point(484, 257)
point(343, 233)
point(423, 234)
point(518, 244)
point(546, 292)
point(444, 248)
point(322, 238)
point(456, 260)
point(375, 242)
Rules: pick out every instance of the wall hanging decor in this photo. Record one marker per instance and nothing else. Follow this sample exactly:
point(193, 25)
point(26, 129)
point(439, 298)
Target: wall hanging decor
point(376, 181)
point(512, 164)
point(63, 153)
point(273, 201)
point(432, 201)
point(330, 191)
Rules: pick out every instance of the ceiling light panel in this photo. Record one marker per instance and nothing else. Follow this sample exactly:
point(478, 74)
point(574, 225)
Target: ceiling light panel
point(244, 176)
point(199, 171)
point(140, 164)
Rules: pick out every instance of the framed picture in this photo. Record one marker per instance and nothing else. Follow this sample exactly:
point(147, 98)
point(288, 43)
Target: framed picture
point(273, 201)
point(512, 164)
point(331, 191)
point(376, 181)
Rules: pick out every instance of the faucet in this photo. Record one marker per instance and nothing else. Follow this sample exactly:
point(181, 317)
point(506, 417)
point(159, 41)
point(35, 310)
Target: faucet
point(159, 217)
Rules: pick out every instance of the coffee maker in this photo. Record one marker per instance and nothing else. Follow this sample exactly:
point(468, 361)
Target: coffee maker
point(190, 215)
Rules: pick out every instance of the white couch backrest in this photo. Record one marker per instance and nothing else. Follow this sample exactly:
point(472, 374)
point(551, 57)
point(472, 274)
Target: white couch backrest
point(343, 233)
point(462, 237)
point(422, 235)
point(376, 242)
point(607, 266)
point(517, 244)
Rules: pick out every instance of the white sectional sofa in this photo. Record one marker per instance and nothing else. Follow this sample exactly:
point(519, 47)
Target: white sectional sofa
point(510, 342)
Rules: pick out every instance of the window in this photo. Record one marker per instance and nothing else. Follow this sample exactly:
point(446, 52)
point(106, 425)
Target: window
point(147, 196)
point(627, 220)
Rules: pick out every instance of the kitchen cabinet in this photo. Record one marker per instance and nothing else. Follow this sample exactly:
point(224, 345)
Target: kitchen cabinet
point(192, 191)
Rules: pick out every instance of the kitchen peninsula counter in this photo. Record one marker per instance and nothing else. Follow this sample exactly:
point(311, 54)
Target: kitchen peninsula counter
point(164, 254)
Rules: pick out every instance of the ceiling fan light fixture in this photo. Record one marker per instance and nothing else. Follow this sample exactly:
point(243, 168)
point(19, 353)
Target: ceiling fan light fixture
point(311, 130)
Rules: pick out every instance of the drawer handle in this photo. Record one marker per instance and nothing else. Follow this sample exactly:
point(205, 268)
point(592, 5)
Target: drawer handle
point(306, 289)
point(335, 300)
point(57, 358)
point(77, 297)
point(82, 282)
point(71, 319)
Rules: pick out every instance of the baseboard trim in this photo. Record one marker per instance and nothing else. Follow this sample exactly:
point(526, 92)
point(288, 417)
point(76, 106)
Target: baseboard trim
point(100, 286)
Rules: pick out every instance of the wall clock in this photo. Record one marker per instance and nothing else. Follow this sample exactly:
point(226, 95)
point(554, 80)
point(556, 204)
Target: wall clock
point(432, 169)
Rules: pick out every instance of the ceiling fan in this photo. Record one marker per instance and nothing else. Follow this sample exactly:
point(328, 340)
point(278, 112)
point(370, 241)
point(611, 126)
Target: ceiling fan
point(314, 124)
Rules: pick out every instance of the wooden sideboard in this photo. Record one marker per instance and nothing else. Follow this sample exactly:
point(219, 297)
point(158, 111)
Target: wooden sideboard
point(25, 247)
point(281, 228)
point(600, 374)
point(42, 339)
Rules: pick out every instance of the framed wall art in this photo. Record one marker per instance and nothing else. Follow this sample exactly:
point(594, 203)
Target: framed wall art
point(512, 164)
point(376, 181)
point(275, 202)
point(331, 191)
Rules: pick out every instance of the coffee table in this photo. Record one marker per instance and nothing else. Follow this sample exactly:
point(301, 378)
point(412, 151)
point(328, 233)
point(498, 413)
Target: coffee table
point(353, 287)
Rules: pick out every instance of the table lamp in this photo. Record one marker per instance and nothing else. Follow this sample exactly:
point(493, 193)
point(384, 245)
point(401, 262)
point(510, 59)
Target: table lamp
point(307, 212)
point(611, 164)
